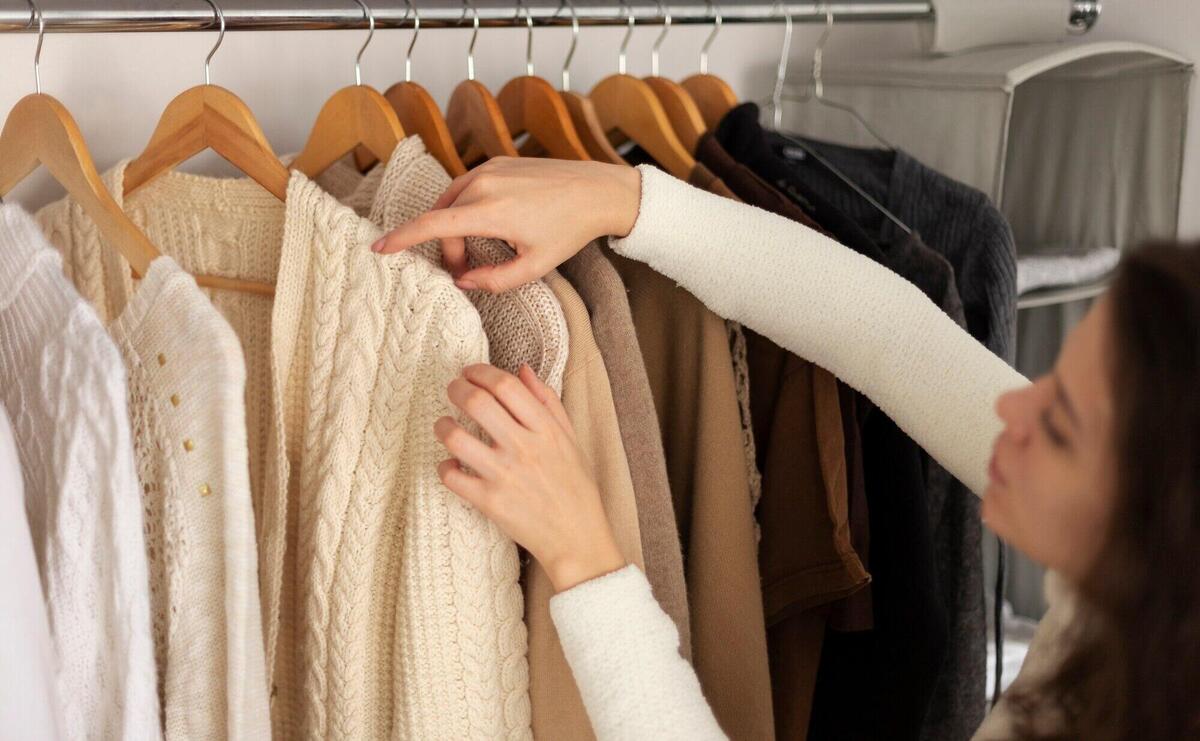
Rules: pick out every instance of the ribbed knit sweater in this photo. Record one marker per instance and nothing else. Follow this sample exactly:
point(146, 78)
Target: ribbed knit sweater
point(390, 606)
point(63, 385)
point(846, 313)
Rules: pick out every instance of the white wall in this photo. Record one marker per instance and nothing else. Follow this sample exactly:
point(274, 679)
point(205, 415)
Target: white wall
point(117, 84)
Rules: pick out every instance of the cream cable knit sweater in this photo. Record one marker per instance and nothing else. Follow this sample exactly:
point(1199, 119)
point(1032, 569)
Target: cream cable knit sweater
point(524, 326)
point(390, 608)
point(844, 312)
point(63, 385)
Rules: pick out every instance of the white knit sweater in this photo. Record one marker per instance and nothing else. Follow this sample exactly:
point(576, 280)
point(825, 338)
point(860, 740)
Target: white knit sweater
point(63, 385)
point(524, 326)
point(186, 401)
point(390, 607)
point(842, 311)
point(28, 705)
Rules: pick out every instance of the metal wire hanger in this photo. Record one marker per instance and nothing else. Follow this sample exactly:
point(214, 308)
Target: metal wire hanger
point(776, 106)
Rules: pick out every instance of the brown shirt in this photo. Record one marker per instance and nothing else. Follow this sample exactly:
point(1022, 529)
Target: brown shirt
point(806, 556)
point(686, 351)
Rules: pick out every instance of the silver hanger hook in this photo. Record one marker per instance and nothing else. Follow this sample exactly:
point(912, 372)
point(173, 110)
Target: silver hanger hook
point(521, 6)
point(818, 64)
point(411, 8)
point(625, 41)
point(35, 13)
point(468, 5)
point(566, 69)
point(712, 36)
point(781, 72)
point(220, 18)
point(665, 12)
point(370, 34)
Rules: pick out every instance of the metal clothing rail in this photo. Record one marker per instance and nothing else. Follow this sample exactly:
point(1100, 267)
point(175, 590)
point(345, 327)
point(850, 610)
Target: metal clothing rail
point(287, 15)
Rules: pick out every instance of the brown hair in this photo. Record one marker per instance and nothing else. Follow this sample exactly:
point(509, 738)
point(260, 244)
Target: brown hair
point(1134, 668)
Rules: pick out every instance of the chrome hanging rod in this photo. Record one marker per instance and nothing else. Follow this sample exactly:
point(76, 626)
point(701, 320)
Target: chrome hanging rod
point(98, 16)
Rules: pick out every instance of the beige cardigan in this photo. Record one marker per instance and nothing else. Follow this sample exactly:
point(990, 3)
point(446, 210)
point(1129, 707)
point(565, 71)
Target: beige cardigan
point(390, 607)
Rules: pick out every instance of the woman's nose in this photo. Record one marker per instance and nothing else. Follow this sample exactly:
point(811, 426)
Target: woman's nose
point(1017, 410)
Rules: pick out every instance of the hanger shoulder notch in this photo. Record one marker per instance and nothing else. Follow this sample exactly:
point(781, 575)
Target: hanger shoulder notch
point(530, 105)
point(628, 105)
point(713, 97)
point(681, 110)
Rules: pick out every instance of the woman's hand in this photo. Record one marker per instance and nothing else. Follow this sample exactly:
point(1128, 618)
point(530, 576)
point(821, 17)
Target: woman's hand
point(531, 481)
point(546, 209)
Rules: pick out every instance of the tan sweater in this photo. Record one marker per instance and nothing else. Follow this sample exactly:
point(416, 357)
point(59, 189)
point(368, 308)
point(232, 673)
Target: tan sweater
point(390, 607)
point(600, 287)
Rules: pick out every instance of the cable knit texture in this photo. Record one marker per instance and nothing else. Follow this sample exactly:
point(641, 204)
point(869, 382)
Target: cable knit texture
point(846, 313)
point(390, 607)
point(525, 326)
point(63, 385)
point(625, 654)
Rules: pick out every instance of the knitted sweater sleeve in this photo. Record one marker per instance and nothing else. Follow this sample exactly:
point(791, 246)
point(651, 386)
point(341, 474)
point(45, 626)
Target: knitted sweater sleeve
point(624, 653)
point(842, 311)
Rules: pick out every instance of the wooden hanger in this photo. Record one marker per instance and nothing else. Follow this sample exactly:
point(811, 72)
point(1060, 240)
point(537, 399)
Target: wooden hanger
point(629, 107)
point(531, 106)
point(419, 114)
point(40, 130)
point(681, 110)
point(712, 95)
point(581, 110)
point(590, 130)
point(209, 117)
point(473, 115)
point(355, 115)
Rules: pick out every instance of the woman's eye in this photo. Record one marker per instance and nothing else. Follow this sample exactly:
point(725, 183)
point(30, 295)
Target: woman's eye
point(1056, 437)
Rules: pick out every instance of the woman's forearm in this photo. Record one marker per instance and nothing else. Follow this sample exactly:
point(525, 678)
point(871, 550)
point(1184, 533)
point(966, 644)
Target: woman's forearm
point(834, 307)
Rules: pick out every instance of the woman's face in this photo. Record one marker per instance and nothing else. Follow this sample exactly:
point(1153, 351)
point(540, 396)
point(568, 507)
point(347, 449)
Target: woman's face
point(1052, 472)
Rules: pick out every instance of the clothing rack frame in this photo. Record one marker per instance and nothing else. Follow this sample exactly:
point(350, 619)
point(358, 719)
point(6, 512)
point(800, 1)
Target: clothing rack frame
point(93, 16)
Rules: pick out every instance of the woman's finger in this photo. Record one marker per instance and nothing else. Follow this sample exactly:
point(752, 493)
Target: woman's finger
point(470, 488)
point(457, 221)
point(465, 447)
point(480, 405)
point(502, 277)
point(512, 393)
point(547, 398)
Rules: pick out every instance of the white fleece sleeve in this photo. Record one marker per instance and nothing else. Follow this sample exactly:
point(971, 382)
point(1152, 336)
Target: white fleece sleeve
point(834, 307)
point(624, 653)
